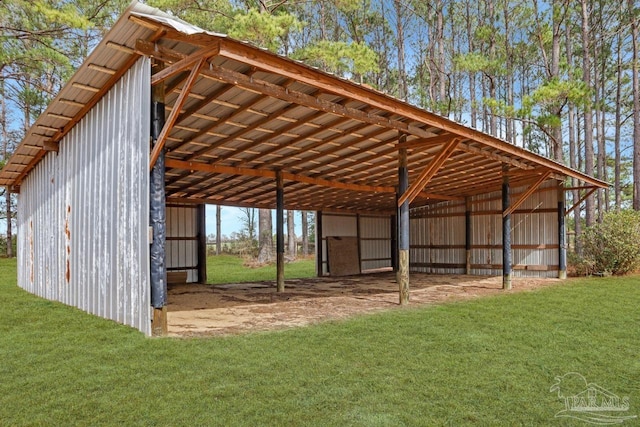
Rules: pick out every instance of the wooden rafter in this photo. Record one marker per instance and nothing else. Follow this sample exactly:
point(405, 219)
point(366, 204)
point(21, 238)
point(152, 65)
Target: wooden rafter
point(222, 120)
point(273, 63)
point(173, 116)
point(287, 108)
point(423, 179)
point(317, 103)
point(336, 122)
point(524, 196)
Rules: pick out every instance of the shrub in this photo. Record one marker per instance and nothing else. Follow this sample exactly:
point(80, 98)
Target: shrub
point(613, 246)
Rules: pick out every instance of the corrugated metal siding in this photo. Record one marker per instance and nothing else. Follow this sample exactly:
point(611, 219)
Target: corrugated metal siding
point(486, 233)
point(83, 214)
point(375, 238)
point(375, 242)
point(182, 243)
point(438, 235)
point(437, 238)
point(536, 225)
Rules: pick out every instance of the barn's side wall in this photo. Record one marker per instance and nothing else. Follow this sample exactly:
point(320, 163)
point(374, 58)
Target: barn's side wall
point(374, 233)
point(83, 213)
point(438, 235)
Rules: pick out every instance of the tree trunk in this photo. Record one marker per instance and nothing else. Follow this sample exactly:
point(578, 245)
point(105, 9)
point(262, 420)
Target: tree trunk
point(598, 82)
point(305, 234)
point(292, 247)
point(472, 74)
point(5, 156)
point(442, 81)
point(265, 229)
point(636, 107)
point(402, 72)
point(555, 73)
point(588, 113)
point(618, 124)
point(573, 150)
point(493, 124)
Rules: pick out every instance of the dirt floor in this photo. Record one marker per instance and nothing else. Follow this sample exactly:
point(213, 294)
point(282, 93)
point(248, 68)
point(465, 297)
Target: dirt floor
point(202, 310)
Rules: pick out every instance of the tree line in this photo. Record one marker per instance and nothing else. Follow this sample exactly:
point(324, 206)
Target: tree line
point(557, 77)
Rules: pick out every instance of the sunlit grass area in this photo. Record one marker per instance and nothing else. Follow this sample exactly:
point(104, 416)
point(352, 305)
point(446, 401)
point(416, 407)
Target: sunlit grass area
point(232, 269)
point(490, 361)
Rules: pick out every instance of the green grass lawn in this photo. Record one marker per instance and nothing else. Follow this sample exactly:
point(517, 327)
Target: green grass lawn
point(230, 269)
point(488, 362)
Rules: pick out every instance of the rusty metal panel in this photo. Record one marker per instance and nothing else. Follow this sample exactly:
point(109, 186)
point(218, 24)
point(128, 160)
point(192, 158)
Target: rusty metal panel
point(83, 212)
point(182, 243)
point(375, 242)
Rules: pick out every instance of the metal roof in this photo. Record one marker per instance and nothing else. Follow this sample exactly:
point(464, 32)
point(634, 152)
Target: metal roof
point(246, 115)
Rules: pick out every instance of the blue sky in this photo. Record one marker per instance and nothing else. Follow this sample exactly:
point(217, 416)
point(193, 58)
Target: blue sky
point(231, 220)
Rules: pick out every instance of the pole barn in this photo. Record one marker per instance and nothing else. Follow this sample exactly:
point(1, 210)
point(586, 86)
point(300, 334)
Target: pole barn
point(164, 117)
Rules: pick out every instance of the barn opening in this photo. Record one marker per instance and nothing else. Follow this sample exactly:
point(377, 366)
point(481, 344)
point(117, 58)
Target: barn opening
point(163, 115)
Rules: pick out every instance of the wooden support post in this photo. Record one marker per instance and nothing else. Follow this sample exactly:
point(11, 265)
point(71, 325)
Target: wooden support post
point(506, 234)
point(202, 244)
point(280, 231)
point(403, 228)
point(319, 245)
point(467, 234)
point(159, 322)
point(157, 219)
point(562, 235)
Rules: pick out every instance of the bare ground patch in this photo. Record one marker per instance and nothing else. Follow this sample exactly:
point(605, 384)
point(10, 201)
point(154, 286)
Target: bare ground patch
point(201, 310)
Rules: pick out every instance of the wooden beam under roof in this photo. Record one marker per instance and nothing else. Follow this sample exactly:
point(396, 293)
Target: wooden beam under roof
point(265, 173)
point(184, 64)
point(273, 63)
point(260, 141)
point(426, 142)
point(425, 176)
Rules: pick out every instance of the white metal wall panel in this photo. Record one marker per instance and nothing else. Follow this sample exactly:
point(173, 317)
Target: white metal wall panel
point(437, 238)
point(375, 242)
point(182, 244)
point(438, 235)
point(83, 213)
point(537, 225)
point(486, 233)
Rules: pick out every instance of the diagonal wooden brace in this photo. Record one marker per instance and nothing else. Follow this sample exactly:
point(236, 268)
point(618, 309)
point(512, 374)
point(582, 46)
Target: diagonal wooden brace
point(416, 188)
point(526, 194)
point(173, 116)
point(184, 64)
point(577, 204)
